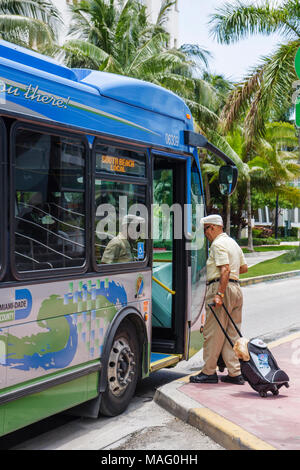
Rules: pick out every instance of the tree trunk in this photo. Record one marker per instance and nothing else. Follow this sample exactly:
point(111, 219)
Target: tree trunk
point(228, 205)
point(239, 221)
point(249, 216)
point(207, 194)
point(241, 203)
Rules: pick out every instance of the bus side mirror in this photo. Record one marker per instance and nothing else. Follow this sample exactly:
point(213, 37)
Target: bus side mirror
point(228, 175)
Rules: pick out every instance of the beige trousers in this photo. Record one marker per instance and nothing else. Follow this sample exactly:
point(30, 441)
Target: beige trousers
point(214, 339)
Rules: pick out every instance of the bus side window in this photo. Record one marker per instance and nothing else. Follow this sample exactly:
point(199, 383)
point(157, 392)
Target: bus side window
point(119, 237)
point(50, 216)
point(121, 217)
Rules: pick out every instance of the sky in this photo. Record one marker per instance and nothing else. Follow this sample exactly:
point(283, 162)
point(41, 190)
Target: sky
point(234, 60)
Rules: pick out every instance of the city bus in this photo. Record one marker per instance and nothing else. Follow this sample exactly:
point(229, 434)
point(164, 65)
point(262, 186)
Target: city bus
point(99, 284)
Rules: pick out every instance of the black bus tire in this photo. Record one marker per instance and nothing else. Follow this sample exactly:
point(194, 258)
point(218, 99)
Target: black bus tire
point(123, 371)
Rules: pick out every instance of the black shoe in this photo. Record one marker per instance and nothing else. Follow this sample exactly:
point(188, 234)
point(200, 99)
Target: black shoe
point(237, 380)
point(204, 379)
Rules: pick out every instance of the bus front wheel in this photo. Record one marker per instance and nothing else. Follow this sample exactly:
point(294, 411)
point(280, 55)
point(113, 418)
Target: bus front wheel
point(122, 370)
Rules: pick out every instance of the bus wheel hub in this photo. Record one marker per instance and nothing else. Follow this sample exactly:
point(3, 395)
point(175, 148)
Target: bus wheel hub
point(120, 366)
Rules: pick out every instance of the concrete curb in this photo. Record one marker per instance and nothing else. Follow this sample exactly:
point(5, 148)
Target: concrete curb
point(224, 432)
point(269, 277)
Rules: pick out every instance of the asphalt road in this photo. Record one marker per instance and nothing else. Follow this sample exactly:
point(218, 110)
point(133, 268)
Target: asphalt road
point(271, 310)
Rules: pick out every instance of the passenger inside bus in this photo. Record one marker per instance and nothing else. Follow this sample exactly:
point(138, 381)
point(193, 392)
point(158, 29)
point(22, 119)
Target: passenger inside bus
point(119, 249)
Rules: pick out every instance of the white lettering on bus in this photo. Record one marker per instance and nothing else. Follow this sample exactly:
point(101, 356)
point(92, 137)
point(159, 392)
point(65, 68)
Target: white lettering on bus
point(34, 94)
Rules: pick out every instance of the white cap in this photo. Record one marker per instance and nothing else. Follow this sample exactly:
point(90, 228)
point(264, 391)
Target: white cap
point(213, 219)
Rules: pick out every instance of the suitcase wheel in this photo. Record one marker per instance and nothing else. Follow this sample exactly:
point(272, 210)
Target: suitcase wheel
point(263, 394)
point(275, 392)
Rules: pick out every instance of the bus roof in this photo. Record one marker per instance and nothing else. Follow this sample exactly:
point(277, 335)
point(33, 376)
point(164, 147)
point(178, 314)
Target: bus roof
point(128, 90)
point(134, 92)
point(34, 59)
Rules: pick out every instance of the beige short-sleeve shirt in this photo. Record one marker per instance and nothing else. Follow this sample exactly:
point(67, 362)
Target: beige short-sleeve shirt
point(224, 250)
point(117, 251)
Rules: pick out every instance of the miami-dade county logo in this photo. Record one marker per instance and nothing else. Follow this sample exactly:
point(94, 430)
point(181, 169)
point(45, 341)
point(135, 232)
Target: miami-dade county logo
point(19, 309)
point(139, 286)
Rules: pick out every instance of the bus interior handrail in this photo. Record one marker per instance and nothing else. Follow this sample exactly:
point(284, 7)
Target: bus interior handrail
point(32, 259)
point(68, 240)
point(163, 286)
point(42, 244)
point(26, 205)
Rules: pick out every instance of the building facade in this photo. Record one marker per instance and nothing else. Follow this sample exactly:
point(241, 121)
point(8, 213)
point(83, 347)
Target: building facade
point(172, 25)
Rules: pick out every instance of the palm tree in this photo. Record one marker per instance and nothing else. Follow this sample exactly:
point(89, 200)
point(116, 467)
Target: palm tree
point(267, 89)
point(276, 166)
point(232, 145)
point(220, 88)
point(116, 36)
point(269, 169)
point(30, 24)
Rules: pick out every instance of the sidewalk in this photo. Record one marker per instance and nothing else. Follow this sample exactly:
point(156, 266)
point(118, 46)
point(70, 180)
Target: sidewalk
point(235, 416)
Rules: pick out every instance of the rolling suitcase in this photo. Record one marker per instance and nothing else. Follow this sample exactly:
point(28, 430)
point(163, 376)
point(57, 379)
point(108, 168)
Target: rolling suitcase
point(261, 371)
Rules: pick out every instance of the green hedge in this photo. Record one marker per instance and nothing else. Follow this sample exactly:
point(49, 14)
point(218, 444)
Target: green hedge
point(167, 244)
point(259, 241)
point(293, 232)
point(288, 239)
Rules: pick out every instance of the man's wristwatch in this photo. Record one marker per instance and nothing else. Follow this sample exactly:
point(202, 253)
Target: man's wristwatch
point(220, 294)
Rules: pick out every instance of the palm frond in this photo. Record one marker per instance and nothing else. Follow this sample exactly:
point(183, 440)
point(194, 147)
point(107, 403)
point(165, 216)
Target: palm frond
point(239, 98)
point(238, 20)
point(221, 142)
point(146, 52)
point(282, 134)
point(289, 193)
point(83, 54)
point(42, 10)
point(204, 116)
point(199, 55)
point(23, 30)
point(163, 14)
point(181, 85)
point(279, 74)
point(111, 65)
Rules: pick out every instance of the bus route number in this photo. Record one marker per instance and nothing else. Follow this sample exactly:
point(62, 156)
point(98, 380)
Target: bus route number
point(172, 139)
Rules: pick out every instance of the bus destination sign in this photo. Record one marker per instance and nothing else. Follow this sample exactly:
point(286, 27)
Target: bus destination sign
point(121, 165)
point(110, 159)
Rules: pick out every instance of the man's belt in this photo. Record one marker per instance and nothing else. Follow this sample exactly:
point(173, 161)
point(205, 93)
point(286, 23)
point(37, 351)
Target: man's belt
point(217, 280)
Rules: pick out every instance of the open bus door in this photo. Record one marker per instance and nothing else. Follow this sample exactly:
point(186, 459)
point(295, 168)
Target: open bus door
point(178, 278)
point(178, 270)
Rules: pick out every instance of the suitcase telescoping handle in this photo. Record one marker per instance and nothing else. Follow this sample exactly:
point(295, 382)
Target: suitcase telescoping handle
point(221, 326)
